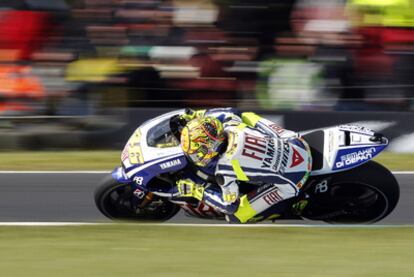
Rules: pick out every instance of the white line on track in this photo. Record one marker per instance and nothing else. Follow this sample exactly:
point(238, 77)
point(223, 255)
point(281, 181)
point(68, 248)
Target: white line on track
point(47, 223)
point(106, 172)
point(403, 172)
point(54, 172)
point(57, 224)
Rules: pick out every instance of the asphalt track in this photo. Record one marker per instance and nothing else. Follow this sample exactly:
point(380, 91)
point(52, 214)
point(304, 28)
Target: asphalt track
point(68, 197)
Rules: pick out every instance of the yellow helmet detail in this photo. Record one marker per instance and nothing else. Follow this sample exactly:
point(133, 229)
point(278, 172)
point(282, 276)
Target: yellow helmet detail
point(201, 139)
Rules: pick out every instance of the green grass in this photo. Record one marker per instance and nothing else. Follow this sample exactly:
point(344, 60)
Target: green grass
point(107, 160)
point(60, 160)
point(396, 161)
point(136, 250)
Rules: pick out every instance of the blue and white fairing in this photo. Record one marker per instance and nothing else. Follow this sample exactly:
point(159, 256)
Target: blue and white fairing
point(349, 146)
point(153, 149)
point(150, 151)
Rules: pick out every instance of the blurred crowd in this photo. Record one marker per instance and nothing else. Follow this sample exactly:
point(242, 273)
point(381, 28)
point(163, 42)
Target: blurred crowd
point(78, 57)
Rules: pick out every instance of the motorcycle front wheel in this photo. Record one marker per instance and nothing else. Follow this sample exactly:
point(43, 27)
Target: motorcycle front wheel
point(118, 202)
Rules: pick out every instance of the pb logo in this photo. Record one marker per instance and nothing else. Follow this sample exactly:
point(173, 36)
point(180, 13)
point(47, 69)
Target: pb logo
point(322, 187)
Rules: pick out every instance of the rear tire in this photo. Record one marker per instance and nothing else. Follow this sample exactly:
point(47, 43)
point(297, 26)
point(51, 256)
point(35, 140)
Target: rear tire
point(365, 194)
point(116, 201)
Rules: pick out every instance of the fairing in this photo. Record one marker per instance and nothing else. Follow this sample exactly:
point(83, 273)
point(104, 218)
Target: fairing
point(153, 150)
point(345, 147)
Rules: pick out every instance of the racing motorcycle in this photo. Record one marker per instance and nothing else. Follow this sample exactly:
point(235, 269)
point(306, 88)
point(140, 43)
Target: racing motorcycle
point(344, 186)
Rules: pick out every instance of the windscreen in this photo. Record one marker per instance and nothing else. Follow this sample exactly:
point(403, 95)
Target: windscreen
point(161, 136)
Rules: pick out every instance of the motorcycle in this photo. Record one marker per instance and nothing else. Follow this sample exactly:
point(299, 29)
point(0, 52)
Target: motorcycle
point(344, 186)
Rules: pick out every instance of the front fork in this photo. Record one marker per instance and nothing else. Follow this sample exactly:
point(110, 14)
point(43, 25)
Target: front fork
point(142, 196)
point(145, 199)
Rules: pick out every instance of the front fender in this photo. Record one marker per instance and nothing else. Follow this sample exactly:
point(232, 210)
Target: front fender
point(119, 175)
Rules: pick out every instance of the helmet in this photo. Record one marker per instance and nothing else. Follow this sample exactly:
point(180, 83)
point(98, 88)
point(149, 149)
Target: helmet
point(201, 139)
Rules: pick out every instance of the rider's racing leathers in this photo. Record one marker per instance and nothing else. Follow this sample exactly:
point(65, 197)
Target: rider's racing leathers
point(258, 152)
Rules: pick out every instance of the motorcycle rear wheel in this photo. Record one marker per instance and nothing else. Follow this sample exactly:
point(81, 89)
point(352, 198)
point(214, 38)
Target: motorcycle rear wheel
point(117, 202)
point(365, 194)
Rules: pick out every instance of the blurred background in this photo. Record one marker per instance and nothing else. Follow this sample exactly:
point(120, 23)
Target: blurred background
point(85, 73)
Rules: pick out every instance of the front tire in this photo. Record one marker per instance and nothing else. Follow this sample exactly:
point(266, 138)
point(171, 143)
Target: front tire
point(365, 194)
point(116, 201)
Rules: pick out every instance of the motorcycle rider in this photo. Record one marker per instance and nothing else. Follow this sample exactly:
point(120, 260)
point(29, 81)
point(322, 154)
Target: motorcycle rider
point(239, 147)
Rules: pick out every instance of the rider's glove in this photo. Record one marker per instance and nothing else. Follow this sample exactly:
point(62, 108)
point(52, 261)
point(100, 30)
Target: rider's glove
point(229, 197)
point(229, 188)
point(187, 188)
point(230, 192)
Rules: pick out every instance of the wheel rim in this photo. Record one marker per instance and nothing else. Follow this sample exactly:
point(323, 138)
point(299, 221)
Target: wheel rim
point(120, 203)
point(360, 203)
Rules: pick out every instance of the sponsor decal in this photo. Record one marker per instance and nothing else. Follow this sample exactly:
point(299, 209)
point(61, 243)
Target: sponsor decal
point(270, 153)
point(262, 149)
point(272, 197)
point(254, 193)
point(206, 209)
point(322, 187)
point(139, 193)
point(170, 164)
point(138, 180)
point(297, 159)
point(286, 153)
point(276, 128)
point(124, 154)
point(356, 128)
point(202, 210)
point(229, 197)
point(273, 153)
point(355, 157)
point(279, 150)
point(254, 147)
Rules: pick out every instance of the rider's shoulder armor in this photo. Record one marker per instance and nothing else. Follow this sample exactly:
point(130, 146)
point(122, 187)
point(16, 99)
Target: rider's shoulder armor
point(252, 154)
